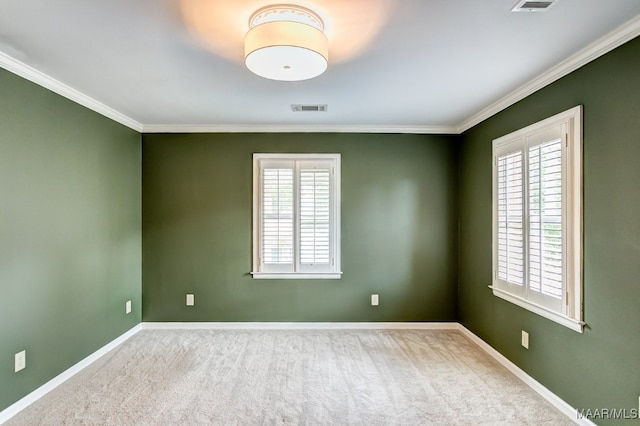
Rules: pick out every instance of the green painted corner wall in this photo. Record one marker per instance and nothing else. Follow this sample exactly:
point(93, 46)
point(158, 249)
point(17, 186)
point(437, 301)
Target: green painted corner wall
point(600, 368)
point(399, 226)
point(70, 233)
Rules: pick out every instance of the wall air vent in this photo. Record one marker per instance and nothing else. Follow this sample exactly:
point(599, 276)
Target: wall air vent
point(533, 6)
point(308, 108)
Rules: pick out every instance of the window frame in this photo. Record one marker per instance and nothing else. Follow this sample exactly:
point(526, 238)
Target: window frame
point(571, 309)
point(299, 271)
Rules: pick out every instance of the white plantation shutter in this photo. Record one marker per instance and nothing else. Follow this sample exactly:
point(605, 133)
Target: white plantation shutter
point(545, 219)
point(296, 216)
point(510, 219)
point(315, 218)
point(537, 221)
point(277, 217)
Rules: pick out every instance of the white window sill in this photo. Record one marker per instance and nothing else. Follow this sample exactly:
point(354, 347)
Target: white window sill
point(297, 276)
point(562, 319)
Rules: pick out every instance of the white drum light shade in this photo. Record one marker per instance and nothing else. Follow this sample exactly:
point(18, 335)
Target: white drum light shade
point(287, 43)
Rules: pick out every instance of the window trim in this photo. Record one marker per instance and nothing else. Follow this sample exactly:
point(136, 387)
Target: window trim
point(572, 310)
point(335, 212)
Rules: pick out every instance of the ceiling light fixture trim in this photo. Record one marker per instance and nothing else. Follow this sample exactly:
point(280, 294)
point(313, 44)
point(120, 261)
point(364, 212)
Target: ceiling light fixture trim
point(286, 42)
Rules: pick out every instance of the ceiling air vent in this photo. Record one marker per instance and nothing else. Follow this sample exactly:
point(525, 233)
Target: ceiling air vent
point(533, 6)
point(309, 108)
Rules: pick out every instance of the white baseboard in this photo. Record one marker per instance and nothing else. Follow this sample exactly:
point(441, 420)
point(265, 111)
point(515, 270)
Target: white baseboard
point(29, 399)
point(554, 399)
point(300, 326)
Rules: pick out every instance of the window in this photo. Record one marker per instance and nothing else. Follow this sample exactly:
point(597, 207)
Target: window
point(296, 216)
point(537, 218)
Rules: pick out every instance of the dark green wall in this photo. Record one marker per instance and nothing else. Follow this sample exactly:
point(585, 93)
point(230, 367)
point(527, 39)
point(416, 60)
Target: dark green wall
point(399, 225)
point(600, 368)
point(70, 237)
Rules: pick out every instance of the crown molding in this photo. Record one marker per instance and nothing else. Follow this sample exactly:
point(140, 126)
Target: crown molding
point(42, 79)
point(616, 38)
point(294, 128)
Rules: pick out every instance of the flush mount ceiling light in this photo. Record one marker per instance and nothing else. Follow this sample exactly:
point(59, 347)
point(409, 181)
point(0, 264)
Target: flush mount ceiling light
point(286, 42)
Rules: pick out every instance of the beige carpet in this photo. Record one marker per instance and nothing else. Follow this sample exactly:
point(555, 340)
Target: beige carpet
point(294, 377)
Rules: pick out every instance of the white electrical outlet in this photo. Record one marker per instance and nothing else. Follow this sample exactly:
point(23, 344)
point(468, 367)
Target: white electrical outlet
point(127, 307)
point(525, 339)
point(190, 300)
point(20, 361)
point(375, 300)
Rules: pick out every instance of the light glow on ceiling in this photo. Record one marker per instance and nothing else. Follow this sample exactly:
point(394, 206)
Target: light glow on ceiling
point(350, 26)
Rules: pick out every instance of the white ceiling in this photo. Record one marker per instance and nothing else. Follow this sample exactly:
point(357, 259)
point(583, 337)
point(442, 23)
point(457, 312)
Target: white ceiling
point(432, 66)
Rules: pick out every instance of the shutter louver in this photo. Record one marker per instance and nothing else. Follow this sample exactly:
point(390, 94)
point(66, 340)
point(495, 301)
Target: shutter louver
point(545, 219)
point(510, 266)
point(314, 216)
point(277, 218)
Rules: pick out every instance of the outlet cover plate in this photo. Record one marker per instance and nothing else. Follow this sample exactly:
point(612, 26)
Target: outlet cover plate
point(375, 300)
point(525, 339)
point(20, 361)
point(190, 300)
point(127, 307)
